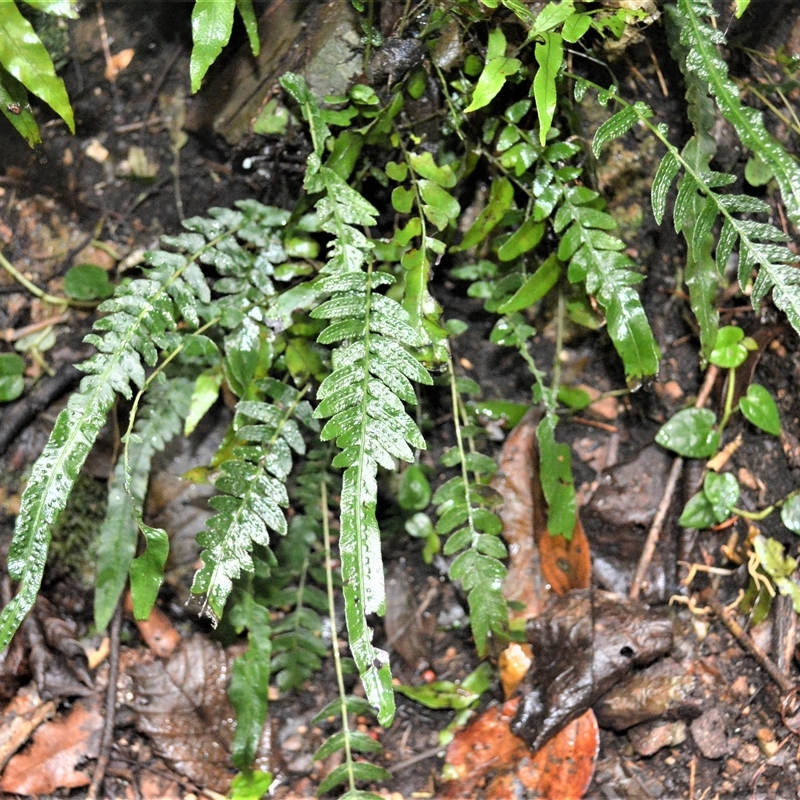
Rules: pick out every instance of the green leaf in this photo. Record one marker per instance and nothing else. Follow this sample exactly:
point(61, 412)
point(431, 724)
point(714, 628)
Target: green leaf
point(690, 433)
point(212, 22)
point(250, 25)
point(414, 492)
point(760, 409)
point(12, 384)
point(575, 26)
point(790, 514)
point(424, 165)
point(251, 785)
point(501, 196)
point(665, 174)
point(729, 350)
point(535, 288)
point(619, 124)
point(698, 513)
point(555, 459)
point(358, 742)
point(16, 109)
point(361, 771)
point(249, 687)
point(204, 395)
point(159, 422)
point(87, 282)
point(524, 239)
point(24, 56)
point(495, 72)
point(722, 492)
point(549, 55)
point(441, 207)
point(403, 199)
point(147, 570)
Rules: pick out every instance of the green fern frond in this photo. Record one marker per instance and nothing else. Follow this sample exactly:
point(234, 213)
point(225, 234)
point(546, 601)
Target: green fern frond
point(595, 257)
point(464, 506)
point(703, 59)
point(142, 318)
point(252, 490)
point(160, 419)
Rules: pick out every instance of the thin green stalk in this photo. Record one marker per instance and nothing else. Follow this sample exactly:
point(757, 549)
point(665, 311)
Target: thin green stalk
point(337, 660)
point(60, 302)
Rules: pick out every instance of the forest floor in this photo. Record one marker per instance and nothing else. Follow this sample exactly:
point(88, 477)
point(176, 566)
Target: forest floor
point(87, 198)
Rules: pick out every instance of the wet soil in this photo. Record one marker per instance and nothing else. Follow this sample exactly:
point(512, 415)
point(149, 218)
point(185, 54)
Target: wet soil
point(731, 741)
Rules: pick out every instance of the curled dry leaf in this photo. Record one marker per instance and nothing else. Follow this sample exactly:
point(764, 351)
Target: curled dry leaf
point(58, 747)
point(158, 632)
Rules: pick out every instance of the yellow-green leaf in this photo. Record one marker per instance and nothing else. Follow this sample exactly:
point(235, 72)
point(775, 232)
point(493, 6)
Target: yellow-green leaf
point(212, 21)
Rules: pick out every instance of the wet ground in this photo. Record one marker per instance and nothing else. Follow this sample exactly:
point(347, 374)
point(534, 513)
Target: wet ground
point(128, 176)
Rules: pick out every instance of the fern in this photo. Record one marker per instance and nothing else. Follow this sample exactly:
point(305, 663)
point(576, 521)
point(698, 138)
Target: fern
point(464, 506)
point(362, 397)
point(253, 491)
point(698, 206)
point(141, 317)
point(703, 59)
point(160, 420)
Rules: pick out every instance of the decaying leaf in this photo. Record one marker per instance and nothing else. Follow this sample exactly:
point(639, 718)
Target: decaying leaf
point(21, 717)
point(182, 705)
point(489, 762)
point(58, 748)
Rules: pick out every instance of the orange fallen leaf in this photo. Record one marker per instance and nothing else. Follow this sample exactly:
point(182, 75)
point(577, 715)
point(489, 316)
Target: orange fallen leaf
point(491, 763)
point(159, 634)
point(119, 62)
point(58, 747)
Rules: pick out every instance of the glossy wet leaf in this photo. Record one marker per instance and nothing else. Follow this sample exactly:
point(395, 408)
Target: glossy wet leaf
point(212, 22)
point(722, 493)
point(760, 409)
point(524, 239)
point(25, 58)
point(251, 785)
point(424, 165)
point(698, 513)
point(690, 433)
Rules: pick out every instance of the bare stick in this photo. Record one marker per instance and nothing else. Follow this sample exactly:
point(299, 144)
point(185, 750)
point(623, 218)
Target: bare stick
point(653, 534)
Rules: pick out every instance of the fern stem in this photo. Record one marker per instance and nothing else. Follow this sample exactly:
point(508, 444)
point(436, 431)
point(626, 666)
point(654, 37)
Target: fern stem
point(337, 659)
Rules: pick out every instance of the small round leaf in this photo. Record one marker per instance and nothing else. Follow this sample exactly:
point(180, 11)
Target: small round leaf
point(87, 282)
point(690, 433)
point(414, 493)
point(759, 407)
point(729, 350)
point(698, 513)
point(790, 514)
point(722, 492)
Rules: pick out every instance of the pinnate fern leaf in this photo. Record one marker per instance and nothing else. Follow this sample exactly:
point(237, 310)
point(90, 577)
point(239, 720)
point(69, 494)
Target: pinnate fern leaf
point(595, 257)
point(252, 490)
point(159, 421)
point(141, 318)
point(704, 60)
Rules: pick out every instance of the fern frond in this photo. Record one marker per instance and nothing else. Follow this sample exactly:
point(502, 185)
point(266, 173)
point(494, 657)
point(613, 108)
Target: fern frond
point(701, 41)
point(363, 399)
point(142, 317)
point(252, 489)
point(596, 258)
point(464, 506)
point(166, 406)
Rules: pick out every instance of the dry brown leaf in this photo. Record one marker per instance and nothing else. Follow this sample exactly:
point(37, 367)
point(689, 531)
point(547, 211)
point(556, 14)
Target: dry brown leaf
point(182, 705)
point(20, 718)
point(58, 747)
